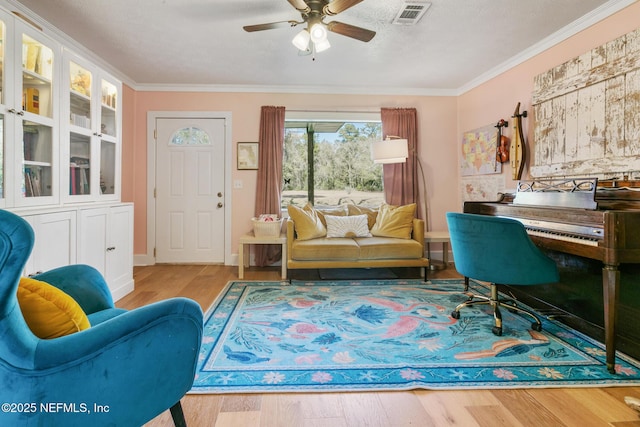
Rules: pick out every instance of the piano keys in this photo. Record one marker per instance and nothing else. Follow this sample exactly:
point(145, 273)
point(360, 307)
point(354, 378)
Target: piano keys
point(589, 221)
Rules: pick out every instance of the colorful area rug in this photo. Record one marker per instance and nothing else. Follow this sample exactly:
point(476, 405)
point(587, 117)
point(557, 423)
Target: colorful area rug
point(385, 335)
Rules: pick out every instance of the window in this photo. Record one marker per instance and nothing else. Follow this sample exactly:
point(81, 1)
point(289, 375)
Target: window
point(190, 136)
point(340, 170)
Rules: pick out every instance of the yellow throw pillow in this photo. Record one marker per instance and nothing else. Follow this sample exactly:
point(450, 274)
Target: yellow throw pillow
point(371, 213)
point(325, 211)
point(394, 221)
point(48, 311)
point(307, 222)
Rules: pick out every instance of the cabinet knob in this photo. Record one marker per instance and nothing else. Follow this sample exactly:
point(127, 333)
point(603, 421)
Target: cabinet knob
point(219, 194)
point(111, 248)
point(220, 204)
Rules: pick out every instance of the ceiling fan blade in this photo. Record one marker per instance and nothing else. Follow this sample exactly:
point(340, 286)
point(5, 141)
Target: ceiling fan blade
point(337, 6)
point(269, 26)
point(352, 31)
point(300, 5)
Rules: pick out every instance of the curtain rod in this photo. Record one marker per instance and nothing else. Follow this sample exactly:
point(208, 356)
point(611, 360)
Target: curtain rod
point(332, 111)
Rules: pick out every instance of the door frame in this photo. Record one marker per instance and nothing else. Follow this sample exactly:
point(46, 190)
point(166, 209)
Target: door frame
point(152, 116)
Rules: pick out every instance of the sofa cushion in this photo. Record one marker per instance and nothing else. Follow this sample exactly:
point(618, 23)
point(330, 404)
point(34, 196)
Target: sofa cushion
point(343, 248)
point(347, 226)
point(394, 221)
point(389, 248)
point(371, 213)
point(307, 223)
point(324, 211)
point(48, 311)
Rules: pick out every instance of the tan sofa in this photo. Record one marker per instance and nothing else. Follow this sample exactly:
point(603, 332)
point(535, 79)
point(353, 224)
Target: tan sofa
point(356, 252)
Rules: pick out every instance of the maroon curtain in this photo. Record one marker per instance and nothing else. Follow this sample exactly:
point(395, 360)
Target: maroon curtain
point(269, 183)
point(401, 183)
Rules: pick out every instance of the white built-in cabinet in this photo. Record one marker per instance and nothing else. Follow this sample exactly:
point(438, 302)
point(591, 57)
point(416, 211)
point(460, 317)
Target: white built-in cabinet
point(60, 154)
point(55, 243)
point(104, 242)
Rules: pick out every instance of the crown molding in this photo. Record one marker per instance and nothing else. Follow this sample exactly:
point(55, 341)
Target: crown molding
point(586, 21)
point(337, 90)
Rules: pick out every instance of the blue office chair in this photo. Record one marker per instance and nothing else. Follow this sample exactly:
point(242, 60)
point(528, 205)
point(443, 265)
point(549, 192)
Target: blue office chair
point(124, 370)
point(499, 251)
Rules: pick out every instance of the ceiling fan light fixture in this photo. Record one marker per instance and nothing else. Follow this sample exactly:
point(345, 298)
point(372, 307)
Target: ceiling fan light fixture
point(301, 40)
point(322, 46)
point(318, 33)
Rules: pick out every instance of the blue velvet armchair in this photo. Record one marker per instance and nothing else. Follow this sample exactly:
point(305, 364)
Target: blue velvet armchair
point(126, 369)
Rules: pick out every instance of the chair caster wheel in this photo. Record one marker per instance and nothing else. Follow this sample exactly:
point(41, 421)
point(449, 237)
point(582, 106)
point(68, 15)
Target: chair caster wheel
point(536, 326)
point(497, 331)
point(455, 314)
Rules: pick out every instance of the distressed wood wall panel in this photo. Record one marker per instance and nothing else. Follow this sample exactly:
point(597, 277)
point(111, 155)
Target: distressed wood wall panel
point(614, 117)
point(587, 113)
point(558, 137)
point(544, 131)
point(571, 125)
point(633, 41)
point(632, 114)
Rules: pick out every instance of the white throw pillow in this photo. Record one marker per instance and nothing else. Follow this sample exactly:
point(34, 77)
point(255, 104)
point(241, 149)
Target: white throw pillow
point(347, 226)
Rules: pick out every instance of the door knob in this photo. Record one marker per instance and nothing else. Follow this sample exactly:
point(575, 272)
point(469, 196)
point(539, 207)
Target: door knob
point(220, 204)
point(219, 194)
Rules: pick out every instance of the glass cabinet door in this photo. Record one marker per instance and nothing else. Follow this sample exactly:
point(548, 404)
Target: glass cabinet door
point(80, 95)
point(107, 167)
point(108, 138)
point(92, 150)
point(79, 164)
point(37, 121)
point(38, 159)
point(37, 74)
point(108, 124)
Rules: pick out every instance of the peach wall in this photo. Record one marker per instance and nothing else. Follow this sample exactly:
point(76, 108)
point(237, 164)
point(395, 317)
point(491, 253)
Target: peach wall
point(497, 98)
point(437, 133)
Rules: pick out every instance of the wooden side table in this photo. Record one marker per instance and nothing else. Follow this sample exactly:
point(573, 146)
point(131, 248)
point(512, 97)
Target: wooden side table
point(250, 239)
point(438, 237)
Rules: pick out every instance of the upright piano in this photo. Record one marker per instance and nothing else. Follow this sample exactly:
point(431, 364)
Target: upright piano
point(582, 217)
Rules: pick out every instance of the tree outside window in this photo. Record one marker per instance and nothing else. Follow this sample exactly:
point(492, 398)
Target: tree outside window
point(341, 170)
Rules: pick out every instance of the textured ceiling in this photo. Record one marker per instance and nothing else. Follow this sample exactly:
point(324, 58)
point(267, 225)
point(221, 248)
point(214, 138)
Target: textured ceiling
point(201, 42)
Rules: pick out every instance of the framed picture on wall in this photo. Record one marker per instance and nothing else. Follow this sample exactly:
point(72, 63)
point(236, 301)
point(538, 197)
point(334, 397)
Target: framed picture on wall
point(247, 155)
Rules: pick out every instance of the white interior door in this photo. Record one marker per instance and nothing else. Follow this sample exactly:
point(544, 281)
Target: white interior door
point(190, 214)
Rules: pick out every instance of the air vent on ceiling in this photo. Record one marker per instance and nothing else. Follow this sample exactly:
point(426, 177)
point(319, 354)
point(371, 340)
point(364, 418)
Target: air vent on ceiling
point(411, 12)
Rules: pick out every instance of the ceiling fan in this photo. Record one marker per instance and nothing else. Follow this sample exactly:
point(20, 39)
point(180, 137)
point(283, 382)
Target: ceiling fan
point(314, 37)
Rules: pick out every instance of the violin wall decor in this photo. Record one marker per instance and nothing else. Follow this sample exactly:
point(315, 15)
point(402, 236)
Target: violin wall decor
point(502, 148)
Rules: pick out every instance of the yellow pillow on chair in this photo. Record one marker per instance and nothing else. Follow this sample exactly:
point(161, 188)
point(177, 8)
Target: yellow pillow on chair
point(48, 311)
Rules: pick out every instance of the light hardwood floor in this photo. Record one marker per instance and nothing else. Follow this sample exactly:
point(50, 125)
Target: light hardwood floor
point(519, 407)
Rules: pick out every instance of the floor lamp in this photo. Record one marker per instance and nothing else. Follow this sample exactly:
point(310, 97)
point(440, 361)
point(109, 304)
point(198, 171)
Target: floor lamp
point(396, 150)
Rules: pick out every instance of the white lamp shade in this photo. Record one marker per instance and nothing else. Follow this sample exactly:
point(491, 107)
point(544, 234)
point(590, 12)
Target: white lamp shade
point(322, 45)
point(301, 40)
point(318, 33)
point(390, 151)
